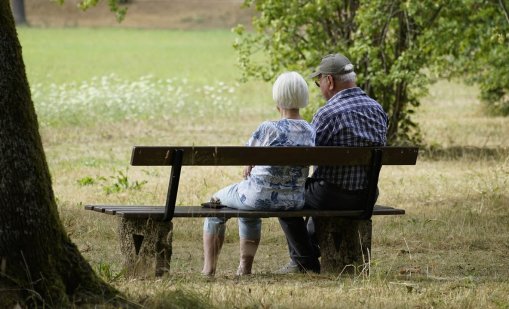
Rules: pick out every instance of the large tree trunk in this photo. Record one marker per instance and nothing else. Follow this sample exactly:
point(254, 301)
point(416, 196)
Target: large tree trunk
point(38, 262)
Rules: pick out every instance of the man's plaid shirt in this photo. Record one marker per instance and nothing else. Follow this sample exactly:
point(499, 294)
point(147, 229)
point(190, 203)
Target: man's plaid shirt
point(350, 118)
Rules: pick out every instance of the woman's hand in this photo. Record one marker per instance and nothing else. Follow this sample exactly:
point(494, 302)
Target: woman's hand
point(247, 171)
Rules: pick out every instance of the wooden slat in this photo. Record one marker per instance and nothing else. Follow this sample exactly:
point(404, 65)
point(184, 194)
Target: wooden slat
point(225, 155)
point(157, 212)
point(112, 210)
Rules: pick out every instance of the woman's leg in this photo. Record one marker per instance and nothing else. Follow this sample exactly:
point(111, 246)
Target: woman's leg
point(213, 238)
point(214, 230)
point(249, 228)
point(250, 234)
point(229, 196)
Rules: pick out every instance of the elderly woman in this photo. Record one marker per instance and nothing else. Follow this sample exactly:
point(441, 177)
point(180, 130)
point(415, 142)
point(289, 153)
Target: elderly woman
point(264, 187)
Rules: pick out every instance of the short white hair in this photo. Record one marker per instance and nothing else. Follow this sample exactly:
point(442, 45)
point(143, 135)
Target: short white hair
point(348, 77)
point(290, 91)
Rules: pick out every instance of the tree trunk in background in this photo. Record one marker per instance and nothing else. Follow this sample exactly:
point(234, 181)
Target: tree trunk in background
point(18, 10)
point(39, 265)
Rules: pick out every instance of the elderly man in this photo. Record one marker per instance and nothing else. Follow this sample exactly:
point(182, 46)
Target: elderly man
point(349, 118)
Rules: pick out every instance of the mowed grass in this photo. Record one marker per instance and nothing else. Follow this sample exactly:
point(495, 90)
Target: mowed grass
point(63, 55)
point(449, 251)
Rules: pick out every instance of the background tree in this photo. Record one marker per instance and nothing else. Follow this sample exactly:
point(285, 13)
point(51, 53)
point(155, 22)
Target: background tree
point(38, 262)
point(18, 10)
point(395, 45)
point(476, 49)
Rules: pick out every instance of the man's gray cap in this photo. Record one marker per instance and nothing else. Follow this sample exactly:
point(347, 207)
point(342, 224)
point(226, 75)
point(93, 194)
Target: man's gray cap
point(333, 64)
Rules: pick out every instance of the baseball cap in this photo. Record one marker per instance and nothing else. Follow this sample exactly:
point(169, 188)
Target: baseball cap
point(333, 64)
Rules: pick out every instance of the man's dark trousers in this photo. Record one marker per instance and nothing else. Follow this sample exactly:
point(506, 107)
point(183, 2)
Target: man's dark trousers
point(302, 245)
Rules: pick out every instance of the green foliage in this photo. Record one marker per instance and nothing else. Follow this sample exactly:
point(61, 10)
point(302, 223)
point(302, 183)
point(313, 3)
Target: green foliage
point(107, 273)
point(120, 183)
point(117, 183)
point(86, 181)
point(394, 45)
point(113, 4)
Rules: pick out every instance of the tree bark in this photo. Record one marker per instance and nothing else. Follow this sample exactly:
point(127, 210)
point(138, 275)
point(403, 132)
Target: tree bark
point(39, 265)
point(146, 246)
point(18, 10)
point(345, 245)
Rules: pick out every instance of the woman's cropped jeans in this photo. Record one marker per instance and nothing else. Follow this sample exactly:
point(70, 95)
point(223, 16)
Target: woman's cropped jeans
point(249, 228)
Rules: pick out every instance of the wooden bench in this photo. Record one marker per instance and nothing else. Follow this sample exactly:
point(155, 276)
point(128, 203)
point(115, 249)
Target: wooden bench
point(344, 236)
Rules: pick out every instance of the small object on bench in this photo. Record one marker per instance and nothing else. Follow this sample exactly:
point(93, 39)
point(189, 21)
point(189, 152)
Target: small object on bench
point(214, 203)
point(344, 236)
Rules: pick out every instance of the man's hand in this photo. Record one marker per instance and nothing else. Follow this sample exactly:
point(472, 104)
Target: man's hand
point(247, 171)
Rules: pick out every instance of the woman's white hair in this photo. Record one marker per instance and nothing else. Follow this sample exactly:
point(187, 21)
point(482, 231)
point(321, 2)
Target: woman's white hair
point(290, 91)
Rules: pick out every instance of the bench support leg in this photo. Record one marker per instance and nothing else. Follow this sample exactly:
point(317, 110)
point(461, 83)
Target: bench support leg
point(146, 246)
point(345, 244)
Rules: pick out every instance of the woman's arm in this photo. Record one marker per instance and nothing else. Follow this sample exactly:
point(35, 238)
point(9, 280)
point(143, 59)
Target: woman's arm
point(260, 137)
point(247, 171)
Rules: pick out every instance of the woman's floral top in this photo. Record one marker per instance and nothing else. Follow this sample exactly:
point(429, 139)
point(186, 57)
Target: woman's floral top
point(277, 187)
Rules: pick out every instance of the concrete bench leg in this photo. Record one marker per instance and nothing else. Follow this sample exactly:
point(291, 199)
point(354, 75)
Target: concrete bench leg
point(345, 244)
point(146, 246)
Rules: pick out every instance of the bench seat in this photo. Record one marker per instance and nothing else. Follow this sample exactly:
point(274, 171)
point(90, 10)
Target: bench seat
point(157, 212)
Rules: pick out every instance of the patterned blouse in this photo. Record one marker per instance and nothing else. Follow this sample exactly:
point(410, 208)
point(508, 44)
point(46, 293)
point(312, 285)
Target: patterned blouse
point(277, 187)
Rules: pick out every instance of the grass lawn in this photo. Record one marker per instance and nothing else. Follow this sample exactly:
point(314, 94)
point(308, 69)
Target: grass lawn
point(98, 92)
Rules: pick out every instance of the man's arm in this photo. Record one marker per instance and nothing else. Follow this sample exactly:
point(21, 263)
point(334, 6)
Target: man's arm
point(323, 128)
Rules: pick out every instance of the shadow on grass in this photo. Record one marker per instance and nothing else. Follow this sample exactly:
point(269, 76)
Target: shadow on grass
point(179, 298)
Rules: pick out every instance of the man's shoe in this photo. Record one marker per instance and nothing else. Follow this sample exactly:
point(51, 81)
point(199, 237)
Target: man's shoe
point(290, 268)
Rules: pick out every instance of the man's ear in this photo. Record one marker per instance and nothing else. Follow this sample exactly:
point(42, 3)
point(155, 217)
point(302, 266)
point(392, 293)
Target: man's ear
point(330, 79)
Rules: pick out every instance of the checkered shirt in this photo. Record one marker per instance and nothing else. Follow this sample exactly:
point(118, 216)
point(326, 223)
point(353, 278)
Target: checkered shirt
point(350, 118)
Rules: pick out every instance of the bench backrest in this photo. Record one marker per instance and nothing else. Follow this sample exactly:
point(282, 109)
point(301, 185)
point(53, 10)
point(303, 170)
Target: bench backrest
point(225, 155)
point(176, 156)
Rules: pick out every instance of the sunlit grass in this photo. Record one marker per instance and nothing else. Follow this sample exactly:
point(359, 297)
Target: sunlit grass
point(79, 54)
